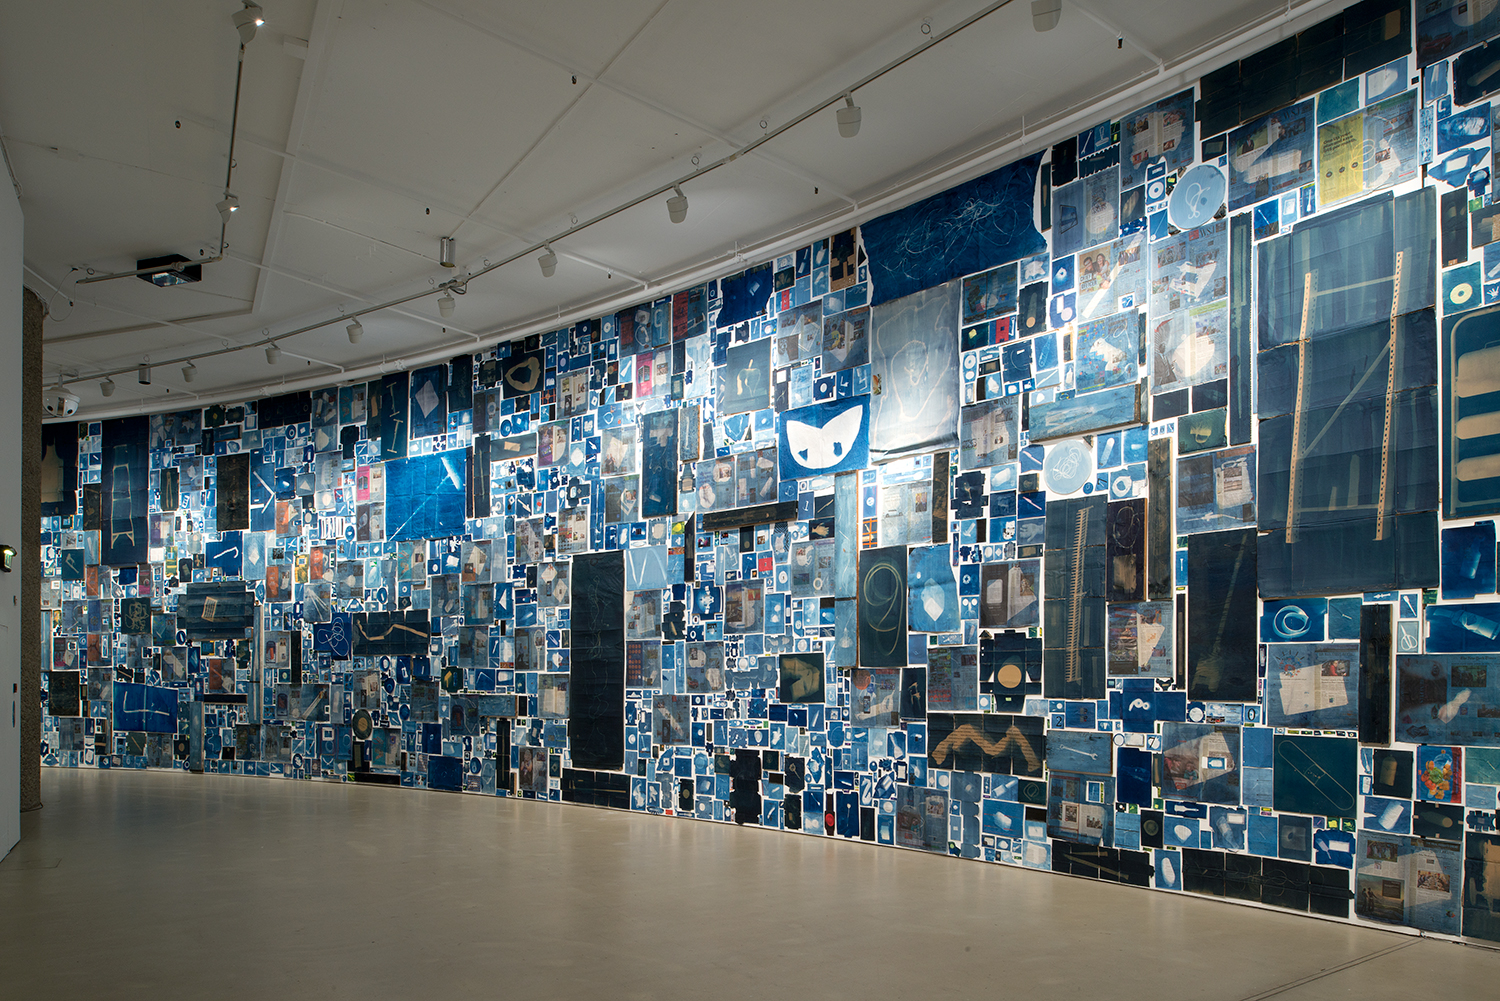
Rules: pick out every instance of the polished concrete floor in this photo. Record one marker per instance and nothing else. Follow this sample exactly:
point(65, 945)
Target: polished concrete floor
point(152, 885)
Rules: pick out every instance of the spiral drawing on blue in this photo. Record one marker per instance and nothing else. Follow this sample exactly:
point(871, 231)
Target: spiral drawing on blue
point(978, 225)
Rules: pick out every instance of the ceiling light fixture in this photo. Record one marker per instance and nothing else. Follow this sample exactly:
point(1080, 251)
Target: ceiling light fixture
point(107, 387)
point(273, 354)
point(247, 20)
point(677, 205)
point(356, 331)
point(446, 303)
point(447, 251)
point(188, 371)
point(228, 207)
point(548, 261)
point(849, 117)
point(143, 374)
point(1045, 14)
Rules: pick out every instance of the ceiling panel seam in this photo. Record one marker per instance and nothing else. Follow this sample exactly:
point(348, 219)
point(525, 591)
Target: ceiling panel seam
point(641, 99)
point(349, 294)
point(550, 129)
point(309, 87)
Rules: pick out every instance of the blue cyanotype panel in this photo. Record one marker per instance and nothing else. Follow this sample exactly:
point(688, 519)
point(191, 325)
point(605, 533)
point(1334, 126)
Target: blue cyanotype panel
point(659, 451)
point(429, 401)
point(1469, 560)
point(845, 535)
point(825, 438)
point(1201, 762)
point(1294, 620)
point(1221, 631)
point(883, 607)
point(1271, 155)
point(392, 407)
point(1109, 352)
point(145, 707)
point(1313, 686)
point(1086, 213)
point(1408, 881)
point(1078, 415)
point(933, 590)
point(1471, 413)
point(1216, 490)
point(1316, 775)
point(915, 371)
point(1467, 628)
point(1448, 699)
point(425, 496)
point(1163, 130)
point(744, 295)
point(977, 225)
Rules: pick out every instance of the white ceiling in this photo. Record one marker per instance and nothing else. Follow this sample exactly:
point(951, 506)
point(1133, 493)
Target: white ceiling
point(368, 129)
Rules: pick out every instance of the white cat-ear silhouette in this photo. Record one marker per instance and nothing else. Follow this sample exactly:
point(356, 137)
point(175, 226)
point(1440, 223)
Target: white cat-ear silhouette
point(820, 447)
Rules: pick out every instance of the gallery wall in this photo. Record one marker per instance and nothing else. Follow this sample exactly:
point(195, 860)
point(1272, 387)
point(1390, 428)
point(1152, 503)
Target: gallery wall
point(1125, 512)
point(12, 242)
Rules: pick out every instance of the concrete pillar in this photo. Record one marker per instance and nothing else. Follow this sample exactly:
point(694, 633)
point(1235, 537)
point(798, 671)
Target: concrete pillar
point(29, 558)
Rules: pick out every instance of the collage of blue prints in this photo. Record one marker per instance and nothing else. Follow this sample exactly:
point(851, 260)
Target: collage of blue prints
point(1127, 512)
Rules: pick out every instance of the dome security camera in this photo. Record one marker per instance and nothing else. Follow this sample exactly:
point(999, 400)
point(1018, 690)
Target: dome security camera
point(59, 402)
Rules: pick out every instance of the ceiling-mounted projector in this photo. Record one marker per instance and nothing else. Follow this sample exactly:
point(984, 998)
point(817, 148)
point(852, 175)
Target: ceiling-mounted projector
point(174, 269)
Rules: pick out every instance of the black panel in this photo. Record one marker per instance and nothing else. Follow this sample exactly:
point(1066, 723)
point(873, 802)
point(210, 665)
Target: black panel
point(279, 411)
point(1073, 661)
point(461, 383)
point(1159, 508)
point(1241, 327)
point(60, 470)
point(1375, 33)
point(1375, 674)
point(232, 489)
point(596, 722)
point(1222, 631)
point(216, 610)
point(740, 517)
point(122, 491)
point(744, 780)
point(596, 788)
point(380, 633)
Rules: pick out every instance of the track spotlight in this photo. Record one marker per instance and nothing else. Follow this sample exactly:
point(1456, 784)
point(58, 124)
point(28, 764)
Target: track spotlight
point(445, 304)
point(848, 117)
point(1045, 14)
point(548, 261)
point(188, 371)
point(273, 354)
point(107, 387)
point(228, 207)
point(143, 374)
point(677, 205)
point(447, 251)
point(247, 20)
point(356, 331)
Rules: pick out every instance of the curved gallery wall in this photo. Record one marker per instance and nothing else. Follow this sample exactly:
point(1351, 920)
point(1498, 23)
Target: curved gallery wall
point(1124, 512)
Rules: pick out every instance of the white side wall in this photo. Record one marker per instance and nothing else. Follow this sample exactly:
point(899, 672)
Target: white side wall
point(11, 251)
